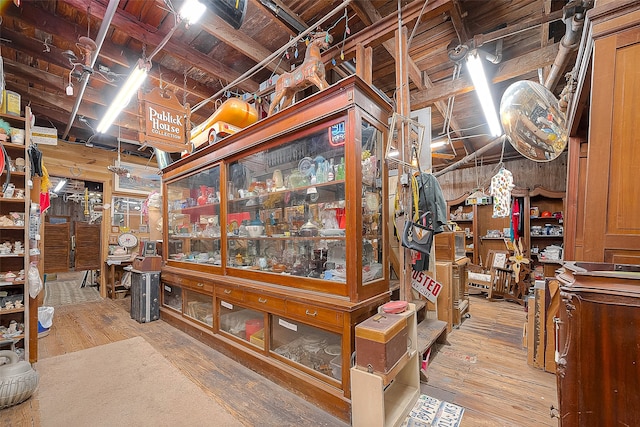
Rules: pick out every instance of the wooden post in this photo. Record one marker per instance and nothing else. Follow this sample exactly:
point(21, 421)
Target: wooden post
point(403, 108)
point(364, 58)
point(34, 303)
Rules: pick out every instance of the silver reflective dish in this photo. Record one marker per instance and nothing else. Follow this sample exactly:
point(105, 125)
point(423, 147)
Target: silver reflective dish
point(533, 121)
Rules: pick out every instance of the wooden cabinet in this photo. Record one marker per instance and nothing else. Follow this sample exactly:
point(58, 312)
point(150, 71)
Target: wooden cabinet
point(604, 188)
point(598, 345)
point(276, 234)
point(465, 217)
point(15, 237)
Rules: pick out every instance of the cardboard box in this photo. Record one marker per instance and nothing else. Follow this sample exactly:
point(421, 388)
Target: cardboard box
point(381, 341)
point(10, 103)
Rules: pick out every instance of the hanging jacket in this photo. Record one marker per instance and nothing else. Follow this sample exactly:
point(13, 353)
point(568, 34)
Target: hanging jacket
point(430, 199)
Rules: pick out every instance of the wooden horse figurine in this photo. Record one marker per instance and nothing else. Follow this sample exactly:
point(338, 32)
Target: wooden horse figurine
point(311, 72)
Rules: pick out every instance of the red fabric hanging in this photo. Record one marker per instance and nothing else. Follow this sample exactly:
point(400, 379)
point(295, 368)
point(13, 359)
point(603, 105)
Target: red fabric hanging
point(515, 220)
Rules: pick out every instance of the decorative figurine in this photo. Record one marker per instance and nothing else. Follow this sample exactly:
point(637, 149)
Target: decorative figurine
point(311, 72)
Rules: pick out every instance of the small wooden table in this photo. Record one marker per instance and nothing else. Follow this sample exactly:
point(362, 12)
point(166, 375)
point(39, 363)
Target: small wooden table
point(114, 275)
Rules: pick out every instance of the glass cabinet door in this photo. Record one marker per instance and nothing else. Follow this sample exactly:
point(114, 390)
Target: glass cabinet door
point(194, 218)
point(242, 323)
point(306, 345)
point(286, 207)
point(198, 307)
point(172, 296)
point(372, 228)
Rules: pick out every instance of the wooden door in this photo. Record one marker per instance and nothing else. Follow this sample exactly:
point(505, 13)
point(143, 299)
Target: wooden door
point(56, 248)
point(87, 252)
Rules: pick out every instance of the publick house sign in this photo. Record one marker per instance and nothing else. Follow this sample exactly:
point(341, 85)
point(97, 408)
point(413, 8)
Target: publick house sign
point(166, 121)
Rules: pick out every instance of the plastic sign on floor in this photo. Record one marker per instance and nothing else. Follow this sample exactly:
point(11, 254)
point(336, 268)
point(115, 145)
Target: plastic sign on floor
point(425, 285)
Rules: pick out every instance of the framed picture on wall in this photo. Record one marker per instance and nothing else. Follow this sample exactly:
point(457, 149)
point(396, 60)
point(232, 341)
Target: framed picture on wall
point(115, 229)
point(113, 239)
point(141, 179)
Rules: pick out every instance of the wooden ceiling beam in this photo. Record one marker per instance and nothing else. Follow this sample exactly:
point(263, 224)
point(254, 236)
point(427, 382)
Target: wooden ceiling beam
point(380, 31)
point(220, 29)
point(19, 70)
point(368, 13)
point(279, 5)
point(32, 16)
point(506, 70)
point(179, 50)
point(278, 21)
point(127, 118)
point(33, 47)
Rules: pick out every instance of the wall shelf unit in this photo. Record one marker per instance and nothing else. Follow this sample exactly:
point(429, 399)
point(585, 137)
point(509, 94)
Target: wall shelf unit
point(14, 235)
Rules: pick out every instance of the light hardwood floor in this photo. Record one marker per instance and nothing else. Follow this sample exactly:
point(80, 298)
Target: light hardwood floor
point(483, 369)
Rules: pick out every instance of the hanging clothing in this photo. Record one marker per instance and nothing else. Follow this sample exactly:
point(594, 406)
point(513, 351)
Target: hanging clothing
point(430, 199)
point(515, 220)
point(501, 186)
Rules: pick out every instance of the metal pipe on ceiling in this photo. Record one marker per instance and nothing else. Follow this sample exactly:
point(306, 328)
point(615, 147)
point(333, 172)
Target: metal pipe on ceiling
point(102, 33)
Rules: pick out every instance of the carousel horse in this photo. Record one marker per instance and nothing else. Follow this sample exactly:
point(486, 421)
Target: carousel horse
point(311, 72)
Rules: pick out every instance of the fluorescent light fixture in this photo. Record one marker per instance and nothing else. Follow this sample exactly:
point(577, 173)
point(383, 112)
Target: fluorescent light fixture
point(192, 11)
point(59, 186)
point(135, 80)
point(474, 65)
point(438, 144)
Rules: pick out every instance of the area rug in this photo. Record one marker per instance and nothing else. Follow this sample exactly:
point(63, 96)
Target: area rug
point(122, 383)
point(64, 292)
point(432, 412)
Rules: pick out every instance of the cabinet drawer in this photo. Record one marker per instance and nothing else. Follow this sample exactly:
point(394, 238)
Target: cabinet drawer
point(227, 292)
point(264, 302)
point(198, 285)
point(312, 313)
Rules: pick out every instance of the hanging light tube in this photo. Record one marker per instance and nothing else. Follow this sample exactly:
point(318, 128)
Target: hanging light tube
point(479, 78)
point(135, 80)
point(61, 184)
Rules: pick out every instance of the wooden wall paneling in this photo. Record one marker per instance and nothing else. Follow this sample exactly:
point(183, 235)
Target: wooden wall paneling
point(571, 200)
point(611, 222)
point(526, 174)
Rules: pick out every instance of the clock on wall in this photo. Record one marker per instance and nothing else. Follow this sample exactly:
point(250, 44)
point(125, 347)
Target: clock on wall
point(127, 240)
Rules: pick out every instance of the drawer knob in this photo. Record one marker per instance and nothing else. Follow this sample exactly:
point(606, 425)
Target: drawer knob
point(227, 291)
point(311, 313)
point(200, 285)
point(262, 300)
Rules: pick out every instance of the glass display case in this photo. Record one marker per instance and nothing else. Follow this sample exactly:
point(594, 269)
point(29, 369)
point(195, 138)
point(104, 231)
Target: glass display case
point(193, 227)
point(283, 226)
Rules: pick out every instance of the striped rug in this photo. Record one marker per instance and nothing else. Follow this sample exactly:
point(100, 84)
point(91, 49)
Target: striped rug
point(65, 289)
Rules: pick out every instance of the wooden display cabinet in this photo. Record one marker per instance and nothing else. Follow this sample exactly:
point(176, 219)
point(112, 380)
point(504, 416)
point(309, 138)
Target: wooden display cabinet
point(276, 235)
